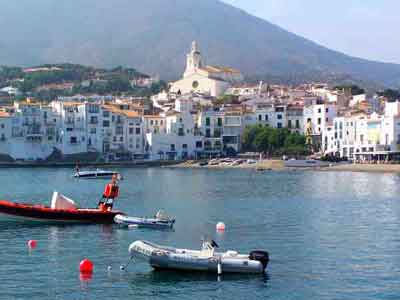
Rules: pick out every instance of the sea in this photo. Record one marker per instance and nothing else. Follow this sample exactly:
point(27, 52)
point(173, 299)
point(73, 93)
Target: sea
point(330, 235)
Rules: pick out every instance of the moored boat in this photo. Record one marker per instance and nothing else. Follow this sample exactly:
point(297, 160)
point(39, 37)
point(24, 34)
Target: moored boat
point(205, 260)
point(159, 221)
point(62, 210)
point(97, 174)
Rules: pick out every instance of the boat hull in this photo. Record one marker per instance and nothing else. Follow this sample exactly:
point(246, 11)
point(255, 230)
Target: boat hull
point(16, 212)
point(144, 222)
point(165, 258)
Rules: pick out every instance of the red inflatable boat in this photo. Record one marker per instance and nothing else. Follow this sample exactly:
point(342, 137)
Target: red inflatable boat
point(60, 212)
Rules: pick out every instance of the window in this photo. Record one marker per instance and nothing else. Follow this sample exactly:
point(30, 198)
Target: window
point(326, 120)
point(73, 140)
point(93, 109)
point(309, 120)
point(93, 130)
point(2, 126)
point(181, 132)
point(327, 110)
point(114, 139)
point(161, 122)
point(121, 139)
point(290, 124)
point(156, 122)
point(279, 125)
point(172, 147)
point(70, 129)
point(208, 133)
point(208, 121)
point(260, 118)
point(280, 109)
point(219, 122)
point(106, 114)
point(297, 124)
point(93, 120)
point(319, 121)
point(319, 110)
point(266, 117)
point(112, 118)
point(106, 123)
point(279, 117)
point(137, 130)
point(199, 144)
point(184, 146)
point(119, 130)
point(130, 130)
point(151, 122)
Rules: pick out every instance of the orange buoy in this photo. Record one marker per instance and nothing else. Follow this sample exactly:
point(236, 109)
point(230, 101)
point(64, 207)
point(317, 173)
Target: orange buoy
point(32, 244)
point(86, 266)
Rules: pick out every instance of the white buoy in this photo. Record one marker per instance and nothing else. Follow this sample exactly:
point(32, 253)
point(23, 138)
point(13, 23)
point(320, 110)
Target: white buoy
point(109, 268)
point(220, 226)
point(219, 267)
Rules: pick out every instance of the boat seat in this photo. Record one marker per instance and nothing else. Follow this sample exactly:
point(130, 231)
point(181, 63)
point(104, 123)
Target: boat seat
point(206, 253)
point(230, 253)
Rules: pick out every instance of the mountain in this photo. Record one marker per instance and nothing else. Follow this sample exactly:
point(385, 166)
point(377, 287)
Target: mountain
point(155, 35)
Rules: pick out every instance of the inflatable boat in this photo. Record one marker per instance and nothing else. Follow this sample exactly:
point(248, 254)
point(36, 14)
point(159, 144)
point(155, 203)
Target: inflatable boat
point(159, 221)
point(205, 260)
point(62, 210)
point(97, 174)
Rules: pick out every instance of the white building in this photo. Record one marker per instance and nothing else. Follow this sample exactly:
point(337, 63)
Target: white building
point(177, 137)
point(365, 137)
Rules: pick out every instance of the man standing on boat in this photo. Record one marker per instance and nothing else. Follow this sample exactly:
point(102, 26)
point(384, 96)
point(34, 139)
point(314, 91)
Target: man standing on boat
point(111, 192)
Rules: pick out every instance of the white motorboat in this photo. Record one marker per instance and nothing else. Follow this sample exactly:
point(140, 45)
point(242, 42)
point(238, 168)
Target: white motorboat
point(97, 174)
point(159, 221)
point(205, 260)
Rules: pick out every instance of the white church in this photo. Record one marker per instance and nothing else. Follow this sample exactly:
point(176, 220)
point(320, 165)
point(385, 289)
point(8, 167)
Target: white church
point(209, 80)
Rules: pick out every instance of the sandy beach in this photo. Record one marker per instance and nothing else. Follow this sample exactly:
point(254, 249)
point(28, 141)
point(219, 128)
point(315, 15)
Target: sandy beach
point(378, 168)
point(278, 165)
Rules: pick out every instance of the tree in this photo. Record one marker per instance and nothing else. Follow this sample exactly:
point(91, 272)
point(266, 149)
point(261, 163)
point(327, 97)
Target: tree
point(249, 136)
point(353, 89)
point(273, 140)
point(262, 141)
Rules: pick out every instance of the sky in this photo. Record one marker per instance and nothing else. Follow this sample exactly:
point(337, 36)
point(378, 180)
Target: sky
point(363, 28)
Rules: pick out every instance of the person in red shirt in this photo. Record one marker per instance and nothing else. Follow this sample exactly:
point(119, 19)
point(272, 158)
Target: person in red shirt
point(111, 192)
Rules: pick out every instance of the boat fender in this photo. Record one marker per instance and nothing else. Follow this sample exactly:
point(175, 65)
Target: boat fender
point(261, 256)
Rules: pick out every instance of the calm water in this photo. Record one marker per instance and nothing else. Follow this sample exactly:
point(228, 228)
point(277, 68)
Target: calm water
point(330, 235)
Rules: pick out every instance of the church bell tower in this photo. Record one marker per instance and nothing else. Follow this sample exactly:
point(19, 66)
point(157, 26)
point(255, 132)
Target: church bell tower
point(193, 60)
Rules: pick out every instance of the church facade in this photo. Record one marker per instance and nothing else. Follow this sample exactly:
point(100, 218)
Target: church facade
point(209, 80)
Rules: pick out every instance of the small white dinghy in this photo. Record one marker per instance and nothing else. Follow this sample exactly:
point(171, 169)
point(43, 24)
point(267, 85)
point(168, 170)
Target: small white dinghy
point(97, 174)
point(205, 260)
point(159, 221)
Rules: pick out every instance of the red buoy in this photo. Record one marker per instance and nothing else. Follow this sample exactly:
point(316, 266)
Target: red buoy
point(32, 244)
point(86, 266)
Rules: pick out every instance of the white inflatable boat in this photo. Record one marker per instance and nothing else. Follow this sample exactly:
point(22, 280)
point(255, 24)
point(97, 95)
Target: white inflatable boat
point(206, 260)
point(97, 174)
point(159, 221)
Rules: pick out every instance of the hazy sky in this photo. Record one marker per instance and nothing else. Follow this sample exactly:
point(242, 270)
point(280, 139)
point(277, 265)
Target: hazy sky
point(363, 28)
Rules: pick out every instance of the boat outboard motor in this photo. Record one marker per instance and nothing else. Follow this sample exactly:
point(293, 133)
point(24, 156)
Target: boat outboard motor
point(261, 256)
point(214, 244)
